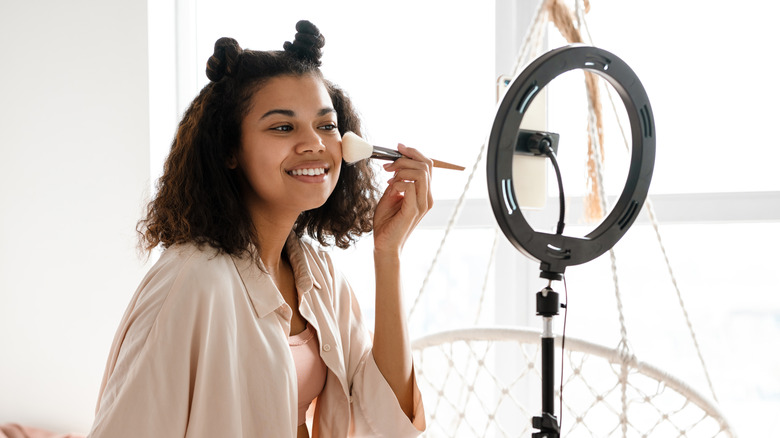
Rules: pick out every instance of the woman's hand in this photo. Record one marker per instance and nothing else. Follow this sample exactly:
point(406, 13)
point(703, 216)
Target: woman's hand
point(401, 207)
point(405, 201)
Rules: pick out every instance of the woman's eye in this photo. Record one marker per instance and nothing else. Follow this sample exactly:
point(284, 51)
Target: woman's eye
point(283, 128)
point(329, 127)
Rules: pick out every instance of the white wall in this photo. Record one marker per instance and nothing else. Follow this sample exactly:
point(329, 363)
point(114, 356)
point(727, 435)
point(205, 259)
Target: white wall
point(74, 169)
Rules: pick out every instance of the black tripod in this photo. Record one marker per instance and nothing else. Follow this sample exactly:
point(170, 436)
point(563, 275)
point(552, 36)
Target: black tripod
point(547, 305)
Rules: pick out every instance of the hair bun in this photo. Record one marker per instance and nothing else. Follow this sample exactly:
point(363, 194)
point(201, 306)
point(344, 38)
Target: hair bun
point(308, 43)
point(224, 61)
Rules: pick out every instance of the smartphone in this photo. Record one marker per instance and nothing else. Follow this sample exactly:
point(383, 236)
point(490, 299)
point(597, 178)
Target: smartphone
point(529, 172)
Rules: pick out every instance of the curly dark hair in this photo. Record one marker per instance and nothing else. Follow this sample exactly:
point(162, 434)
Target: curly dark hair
point(198, 198)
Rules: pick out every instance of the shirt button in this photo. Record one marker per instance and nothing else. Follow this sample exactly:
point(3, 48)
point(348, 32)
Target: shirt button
point(326, 348)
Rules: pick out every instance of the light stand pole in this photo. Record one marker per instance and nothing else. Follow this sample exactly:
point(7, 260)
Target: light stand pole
point(547, 305)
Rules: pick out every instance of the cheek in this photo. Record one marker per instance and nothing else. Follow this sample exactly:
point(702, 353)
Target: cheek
point(335, 151)
point(258, 169)
point(261, 158)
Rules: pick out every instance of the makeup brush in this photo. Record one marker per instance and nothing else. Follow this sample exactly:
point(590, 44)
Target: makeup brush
point(354, 148)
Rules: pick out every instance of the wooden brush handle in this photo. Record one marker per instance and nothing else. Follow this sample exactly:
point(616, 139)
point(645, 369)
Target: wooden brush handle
point(446, 165)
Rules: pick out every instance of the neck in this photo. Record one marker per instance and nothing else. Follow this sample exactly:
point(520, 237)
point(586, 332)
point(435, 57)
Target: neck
point(272, 236)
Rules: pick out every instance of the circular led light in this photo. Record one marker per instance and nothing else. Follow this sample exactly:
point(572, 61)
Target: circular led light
point(557, 251)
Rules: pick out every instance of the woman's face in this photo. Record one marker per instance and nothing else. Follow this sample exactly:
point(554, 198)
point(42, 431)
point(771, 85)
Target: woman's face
point(290, 149)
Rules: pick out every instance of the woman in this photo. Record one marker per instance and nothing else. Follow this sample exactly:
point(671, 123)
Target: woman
point(244, 321)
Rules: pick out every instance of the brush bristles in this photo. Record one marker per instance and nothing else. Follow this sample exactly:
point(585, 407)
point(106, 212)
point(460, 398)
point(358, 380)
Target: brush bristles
point(354, 148)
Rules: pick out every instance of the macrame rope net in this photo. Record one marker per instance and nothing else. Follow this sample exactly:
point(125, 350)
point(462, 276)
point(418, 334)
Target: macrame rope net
point(485, 382)
point(479, 382)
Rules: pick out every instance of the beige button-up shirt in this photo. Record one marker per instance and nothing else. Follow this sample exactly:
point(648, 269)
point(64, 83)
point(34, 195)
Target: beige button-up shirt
point(202, 351)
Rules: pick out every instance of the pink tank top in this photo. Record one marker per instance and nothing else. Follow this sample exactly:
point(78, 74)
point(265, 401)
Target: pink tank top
point(309, 368)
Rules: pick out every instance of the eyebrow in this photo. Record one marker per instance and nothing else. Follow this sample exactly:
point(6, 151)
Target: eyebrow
point(291, 113)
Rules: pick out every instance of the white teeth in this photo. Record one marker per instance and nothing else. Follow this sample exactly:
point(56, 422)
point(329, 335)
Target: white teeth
point(308, 172)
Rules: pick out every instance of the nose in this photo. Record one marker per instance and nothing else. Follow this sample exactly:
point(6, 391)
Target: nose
point(310, 140)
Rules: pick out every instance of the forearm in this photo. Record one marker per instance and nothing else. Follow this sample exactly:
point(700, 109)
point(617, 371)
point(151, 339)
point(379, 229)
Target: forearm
point(392, 348)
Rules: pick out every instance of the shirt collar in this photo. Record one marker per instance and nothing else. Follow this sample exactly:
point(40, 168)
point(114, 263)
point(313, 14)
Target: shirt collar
point(304, 279)
point(262, 291)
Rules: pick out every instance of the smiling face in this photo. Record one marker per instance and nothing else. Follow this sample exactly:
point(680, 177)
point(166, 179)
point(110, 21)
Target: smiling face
point(290, 152)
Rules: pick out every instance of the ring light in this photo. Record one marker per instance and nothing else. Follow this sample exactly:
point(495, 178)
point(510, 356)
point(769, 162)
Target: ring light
point(556, 251)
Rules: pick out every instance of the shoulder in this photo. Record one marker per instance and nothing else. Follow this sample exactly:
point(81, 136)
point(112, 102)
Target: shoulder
point(187, 273)
point(197, 263)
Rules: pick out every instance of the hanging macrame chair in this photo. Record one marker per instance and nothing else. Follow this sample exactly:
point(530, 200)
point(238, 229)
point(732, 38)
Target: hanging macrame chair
point(468, 393)
point(477, 382)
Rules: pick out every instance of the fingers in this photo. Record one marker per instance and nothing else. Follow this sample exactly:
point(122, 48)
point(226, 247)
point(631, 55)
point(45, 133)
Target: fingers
point(414, 168)
point(411, 158)
point(405, 201)
point(413, 183)
point(415, 155)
